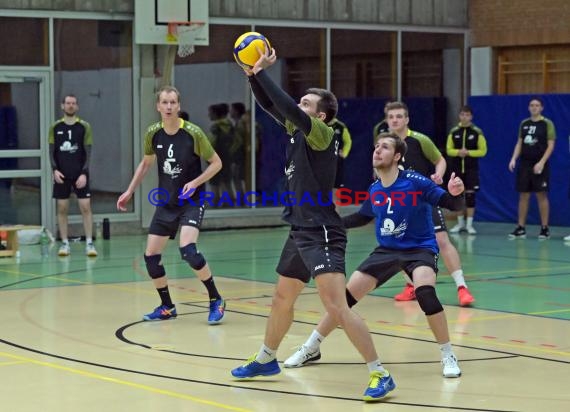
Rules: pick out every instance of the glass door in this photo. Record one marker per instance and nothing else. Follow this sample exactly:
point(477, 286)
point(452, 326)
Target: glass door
point(25, 178)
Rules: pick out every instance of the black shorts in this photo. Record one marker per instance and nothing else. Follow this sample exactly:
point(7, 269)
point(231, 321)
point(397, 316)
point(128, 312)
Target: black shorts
point(438, 220)
point(528, 181)
point(308, 252)
point(63, 190)
point(167, 219)
point(383, 263)
point(470, 179)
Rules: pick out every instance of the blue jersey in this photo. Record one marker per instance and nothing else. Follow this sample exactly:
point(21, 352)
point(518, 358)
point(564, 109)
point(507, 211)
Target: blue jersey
point(403, 211)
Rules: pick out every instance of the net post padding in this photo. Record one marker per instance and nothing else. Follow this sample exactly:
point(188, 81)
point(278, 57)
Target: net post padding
point(183, 32)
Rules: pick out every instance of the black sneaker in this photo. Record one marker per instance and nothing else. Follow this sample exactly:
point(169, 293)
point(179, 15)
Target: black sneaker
point(544, 233)
point(518, 233)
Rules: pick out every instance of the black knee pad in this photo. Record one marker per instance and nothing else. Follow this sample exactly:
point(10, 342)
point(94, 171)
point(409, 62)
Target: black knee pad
point(350, 299)
point(191, 255)
point(470, 199)
point(153, 266)
point(428, 300)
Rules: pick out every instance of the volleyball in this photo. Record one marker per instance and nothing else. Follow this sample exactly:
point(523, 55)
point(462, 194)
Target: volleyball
point(246, 45)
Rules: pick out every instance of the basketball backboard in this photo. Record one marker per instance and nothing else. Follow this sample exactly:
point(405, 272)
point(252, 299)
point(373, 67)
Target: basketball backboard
point(152, 18)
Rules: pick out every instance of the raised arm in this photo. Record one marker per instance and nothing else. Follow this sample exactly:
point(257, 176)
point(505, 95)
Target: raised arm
point(264, 100)
point(284, 104)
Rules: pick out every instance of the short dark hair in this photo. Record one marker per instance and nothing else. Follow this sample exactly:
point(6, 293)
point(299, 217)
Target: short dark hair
point(219, 110)
point(466, 109)
point(400, 145)
point(69, 95)
point(238, 108)
point(396, 105)
point(538, 99)
point(328, 104)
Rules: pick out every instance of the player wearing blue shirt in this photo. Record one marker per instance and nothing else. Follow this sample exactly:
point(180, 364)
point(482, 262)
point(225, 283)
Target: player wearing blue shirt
point(401, 202)
point(403, 211)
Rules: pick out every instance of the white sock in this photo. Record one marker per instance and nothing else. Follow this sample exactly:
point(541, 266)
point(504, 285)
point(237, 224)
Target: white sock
point(88, 240)
point(408, 279)
point(65, 241)
point(458, 278)
point(376, 365)
point(446, 348)
point(469, 222)
point(265, 354)
point(314, 341)
point(461, 220)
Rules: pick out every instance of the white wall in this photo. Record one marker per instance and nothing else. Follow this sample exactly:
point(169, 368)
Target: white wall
point(481, 71)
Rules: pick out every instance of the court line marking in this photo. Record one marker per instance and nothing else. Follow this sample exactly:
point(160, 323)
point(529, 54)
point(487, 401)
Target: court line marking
point(226, 385)
point(22, 359)
point(397, 328)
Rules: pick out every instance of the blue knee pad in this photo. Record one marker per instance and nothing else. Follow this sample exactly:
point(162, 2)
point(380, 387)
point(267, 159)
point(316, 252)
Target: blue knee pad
point(428, 300)
point(153, 266)
point(470, 199)
point(191, 255)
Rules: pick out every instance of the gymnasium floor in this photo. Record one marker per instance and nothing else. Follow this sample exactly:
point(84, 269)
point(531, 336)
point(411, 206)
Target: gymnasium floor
point(72, 336)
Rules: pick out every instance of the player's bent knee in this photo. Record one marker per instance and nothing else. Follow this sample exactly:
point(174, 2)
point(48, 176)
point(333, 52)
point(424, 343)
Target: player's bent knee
point(350, 299)
point(470, 199)
point(428, 300)
point(191, 255)
point(154, 268)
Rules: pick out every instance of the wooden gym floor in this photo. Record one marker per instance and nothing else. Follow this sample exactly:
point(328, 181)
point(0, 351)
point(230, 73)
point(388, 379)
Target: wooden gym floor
point(72, 336)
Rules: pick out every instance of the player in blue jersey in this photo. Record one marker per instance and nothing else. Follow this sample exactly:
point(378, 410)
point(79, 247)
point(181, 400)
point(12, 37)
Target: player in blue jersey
point(401, 201)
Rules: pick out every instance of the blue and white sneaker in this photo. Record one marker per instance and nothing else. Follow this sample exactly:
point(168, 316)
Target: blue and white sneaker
point(379, 386)
point(253, 368)
point(161, 312)
point(217, 310)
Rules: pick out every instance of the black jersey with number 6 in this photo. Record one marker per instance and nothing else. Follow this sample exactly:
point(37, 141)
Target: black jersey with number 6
point(178, 156)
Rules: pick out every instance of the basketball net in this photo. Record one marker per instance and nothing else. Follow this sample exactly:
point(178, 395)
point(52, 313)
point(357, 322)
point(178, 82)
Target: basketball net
point(183, 34)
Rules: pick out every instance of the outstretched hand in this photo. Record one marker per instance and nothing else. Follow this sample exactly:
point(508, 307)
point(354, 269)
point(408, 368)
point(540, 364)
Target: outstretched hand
point(455, 186)
point(266, 59)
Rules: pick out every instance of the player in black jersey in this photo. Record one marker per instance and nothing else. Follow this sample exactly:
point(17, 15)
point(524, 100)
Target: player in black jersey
point(316, 244)
point(343, 141)
point(178, 146)
point(424, 157)
point(70, 140)
point(535, 144)
point(465, 145)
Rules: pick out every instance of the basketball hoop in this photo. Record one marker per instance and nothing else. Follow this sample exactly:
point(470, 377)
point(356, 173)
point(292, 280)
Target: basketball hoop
point(183, 32)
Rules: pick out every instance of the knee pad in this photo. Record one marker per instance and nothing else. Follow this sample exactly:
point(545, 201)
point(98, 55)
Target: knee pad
point(154, 268)
point(470, 199)
point(191, 255)
point(428, 300)
point(350, 299)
